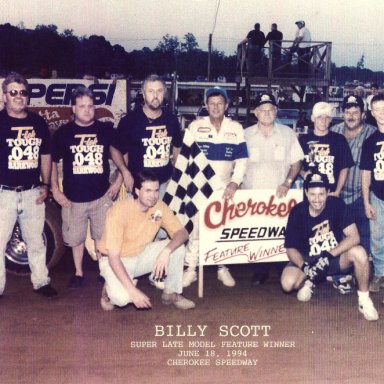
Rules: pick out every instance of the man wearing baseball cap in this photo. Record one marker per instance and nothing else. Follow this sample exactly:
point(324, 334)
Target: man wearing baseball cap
point(274, 158)
point(322, 239)
point(326, 152)
point(222, 142)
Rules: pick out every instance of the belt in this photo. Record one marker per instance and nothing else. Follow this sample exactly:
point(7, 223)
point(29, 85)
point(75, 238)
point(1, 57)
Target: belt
point(19, 188)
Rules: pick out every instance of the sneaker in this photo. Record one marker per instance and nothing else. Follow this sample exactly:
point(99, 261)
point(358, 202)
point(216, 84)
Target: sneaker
point(189, 277)
point(76, 282)
point(47, 291)
point(367, 308)
point(376, 283)
point(342, 284)
point(179, 301)
point(159, 284)
point(105, 301)
point(225, 277)
point(305, 292)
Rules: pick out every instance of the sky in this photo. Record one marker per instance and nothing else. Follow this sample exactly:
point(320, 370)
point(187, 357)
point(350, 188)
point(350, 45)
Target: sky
point(354, 27)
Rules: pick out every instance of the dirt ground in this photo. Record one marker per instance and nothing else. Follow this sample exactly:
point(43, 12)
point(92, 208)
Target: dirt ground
point(275, 338)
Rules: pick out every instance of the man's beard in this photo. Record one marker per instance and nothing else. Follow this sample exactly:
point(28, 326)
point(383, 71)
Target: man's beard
point(154, 107)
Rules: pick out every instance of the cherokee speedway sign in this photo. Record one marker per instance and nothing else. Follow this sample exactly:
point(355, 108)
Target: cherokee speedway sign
point(249, 229)
point(51, 99)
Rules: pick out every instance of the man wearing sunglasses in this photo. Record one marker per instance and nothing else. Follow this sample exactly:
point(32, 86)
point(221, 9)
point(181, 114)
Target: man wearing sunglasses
point(25, 168)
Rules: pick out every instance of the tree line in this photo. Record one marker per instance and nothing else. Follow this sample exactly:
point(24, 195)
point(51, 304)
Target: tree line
point(36, 53)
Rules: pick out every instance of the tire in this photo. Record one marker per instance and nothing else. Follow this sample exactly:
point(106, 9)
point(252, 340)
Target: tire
point(16, 254)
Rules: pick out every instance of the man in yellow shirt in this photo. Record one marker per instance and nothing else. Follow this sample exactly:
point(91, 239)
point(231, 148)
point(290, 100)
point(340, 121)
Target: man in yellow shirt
point(129, 251)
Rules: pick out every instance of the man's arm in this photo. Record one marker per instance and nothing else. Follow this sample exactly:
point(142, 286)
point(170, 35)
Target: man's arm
point(299, 37)
point(283, 189)
point(351, 239)
point(239, 168)
point(45, 171)
point(295, 257)
point(340, 183)
point(57, 194)
point(160, 267)
point(175, 153)
point(117, 178)
point(365, 185)
point(139, 299)
point(121, 164)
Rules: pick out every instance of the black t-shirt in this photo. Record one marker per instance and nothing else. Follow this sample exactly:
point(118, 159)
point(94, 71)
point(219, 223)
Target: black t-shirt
point(275, 36)
point(148, 142)
point(257, 38)
point(312, 235)
point(327, 155)
point(22, 141)
point(372, 159)
point(85, 154)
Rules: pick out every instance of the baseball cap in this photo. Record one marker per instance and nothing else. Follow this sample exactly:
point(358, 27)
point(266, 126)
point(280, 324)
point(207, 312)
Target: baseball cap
point(265, 98)
point(352, 101)
point(316, 180)
point(216, 91)
point(322, 108)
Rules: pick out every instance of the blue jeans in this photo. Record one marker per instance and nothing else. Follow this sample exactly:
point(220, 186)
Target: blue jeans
point(362, 223)
point(142, 264)
point(22, 206)
point(377, 235)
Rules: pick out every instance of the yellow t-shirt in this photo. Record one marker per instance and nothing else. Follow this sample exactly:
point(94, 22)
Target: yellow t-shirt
point(128, 230)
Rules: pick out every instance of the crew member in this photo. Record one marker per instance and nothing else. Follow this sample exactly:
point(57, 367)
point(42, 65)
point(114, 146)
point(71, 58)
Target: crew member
point(25, 173)
point(322, 239)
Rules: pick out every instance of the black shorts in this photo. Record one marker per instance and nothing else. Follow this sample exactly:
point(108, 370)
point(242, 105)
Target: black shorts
point(334, 267)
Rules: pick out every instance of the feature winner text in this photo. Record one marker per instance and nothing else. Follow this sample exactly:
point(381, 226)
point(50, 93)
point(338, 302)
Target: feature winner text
point(230, 345)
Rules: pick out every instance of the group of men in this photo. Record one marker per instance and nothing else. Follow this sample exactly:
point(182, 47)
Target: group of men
point(323, 232)
point(256, 40)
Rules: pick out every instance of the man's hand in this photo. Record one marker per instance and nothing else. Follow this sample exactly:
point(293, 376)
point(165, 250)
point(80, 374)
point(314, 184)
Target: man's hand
point(335, 194)
point(282, 190)
point(230, 190)
point(114, 189)
point(128, 181)
point(160, 268)
point(43, 191)
point(370, 212)
point(316, 272)
point(61, 198)
point(139, 299)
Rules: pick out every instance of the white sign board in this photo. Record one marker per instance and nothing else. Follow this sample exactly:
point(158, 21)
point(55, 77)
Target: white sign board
point(249, 229)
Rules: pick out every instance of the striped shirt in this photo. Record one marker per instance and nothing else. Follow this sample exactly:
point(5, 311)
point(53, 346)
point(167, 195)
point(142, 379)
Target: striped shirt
point(352, 188)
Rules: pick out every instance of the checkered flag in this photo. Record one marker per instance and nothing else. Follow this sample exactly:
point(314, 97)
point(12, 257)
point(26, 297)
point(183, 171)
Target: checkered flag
point(192, 183)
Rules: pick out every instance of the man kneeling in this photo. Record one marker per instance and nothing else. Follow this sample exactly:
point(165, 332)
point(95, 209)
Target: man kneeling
point(129, 251)
point(321, 239)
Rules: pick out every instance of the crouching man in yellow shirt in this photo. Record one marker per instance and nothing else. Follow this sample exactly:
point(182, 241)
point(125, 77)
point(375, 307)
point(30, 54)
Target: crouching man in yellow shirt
point(128, 250)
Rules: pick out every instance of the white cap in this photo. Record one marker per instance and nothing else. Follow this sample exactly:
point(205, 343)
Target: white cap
point(322, 108)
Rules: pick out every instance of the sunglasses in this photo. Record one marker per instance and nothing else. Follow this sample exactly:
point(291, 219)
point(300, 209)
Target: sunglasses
point(14, 92)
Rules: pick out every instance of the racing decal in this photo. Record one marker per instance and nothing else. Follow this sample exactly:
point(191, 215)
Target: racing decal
point(51, 99)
